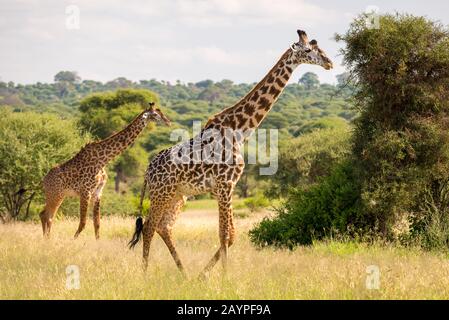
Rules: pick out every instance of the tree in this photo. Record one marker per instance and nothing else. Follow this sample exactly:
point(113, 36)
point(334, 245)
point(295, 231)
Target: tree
point(30, 145)
point(104, 113)
point(309, 80)
point(67, 76)
point(401, 145)
point(120, 82)
point(64, 82)
point(204, 84)
point(343, 79)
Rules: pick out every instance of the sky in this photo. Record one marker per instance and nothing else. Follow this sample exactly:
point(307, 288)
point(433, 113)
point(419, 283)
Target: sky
point(189, 40)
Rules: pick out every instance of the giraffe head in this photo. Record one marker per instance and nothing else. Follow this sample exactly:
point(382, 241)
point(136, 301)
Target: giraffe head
point(155, 114)
point(305, 51)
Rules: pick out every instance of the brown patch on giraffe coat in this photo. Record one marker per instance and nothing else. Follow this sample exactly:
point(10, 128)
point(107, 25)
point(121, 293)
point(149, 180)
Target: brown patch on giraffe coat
point(255, 96)
point(275, 92)
point(259, 117)
point(264, 103)
point(241, 120)
point(249, 109)
point(264, 89)
point(279, 82)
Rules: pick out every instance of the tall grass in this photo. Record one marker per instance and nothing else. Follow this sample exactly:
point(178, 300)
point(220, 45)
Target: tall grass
point(32, 268)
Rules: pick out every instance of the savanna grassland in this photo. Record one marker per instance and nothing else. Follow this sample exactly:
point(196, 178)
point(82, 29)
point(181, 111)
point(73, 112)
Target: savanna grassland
point(33, 268)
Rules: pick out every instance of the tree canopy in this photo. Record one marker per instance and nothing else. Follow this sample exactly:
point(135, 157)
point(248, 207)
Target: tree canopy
point(30, 145)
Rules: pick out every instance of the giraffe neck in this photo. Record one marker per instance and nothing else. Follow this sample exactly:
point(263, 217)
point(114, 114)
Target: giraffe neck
point(249, 112)
point(114, 145)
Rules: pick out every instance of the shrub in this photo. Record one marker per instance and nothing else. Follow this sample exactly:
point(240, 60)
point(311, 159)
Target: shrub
point(30, 145)
point(256, 203)
point(331, 205)
point(308, 158)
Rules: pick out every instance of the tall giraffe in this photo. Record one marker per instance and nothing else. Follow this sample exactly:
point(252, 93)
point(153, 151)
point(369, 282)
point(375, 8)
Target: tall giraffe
point(170, 180)
point(84, 175)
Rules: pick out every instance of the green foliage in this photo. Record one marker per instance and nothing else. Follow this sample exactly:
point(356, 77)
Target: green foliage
point(309, 80)
point(401, 145)
point(67, 76)
point(256, 203)
point(322, 123)
point(107, 112)
point(30, 145)
point(333, 205)
point(306, 159)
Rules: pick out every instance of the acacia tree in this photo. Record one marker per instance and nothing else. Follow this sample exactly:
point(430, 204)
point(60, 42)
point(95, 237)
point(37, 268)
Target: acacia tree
point(401, 141)
point(104, 113)
point(30, 145)
point(309, 80)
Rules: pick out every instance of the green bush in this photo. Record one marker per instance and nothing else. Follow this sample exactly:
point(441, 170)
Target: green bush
point(308, 158)
point(332, 205)
point(30, 145)
point(256, 203)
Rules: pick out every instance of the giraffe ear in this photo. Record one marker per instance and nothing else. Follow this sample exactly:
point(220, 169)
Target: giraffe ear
point(302, 36)
point(314, 44)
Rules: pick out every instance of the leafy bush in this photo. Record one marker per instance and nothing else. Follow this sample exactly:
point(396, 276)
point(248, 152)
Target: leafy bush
point(30, 145)
point(333, 205)
point(256, 203)
point(306, 159)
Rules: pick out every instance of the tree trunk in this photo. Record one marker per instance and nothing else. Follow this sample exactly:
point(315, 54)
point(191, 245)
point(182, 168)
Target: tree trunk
point(244, 185)
point(118, 178)
point(27, 213)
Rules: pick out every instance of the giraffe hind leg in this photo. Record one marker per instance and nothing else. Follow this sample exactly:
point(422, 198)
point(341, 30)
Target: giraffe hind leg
point(52, 204)
point(149, 228)
point(84, 203)
point(165, 231)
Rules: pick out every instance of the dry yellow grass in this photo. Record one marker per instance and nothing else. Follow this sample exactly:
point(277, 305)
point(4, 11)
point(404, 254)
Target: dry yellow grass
point(31, 268)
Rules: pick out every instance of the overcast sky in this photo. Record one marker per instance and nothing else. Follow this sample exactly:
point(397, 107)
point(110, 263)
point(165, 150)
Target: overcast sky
point(189, 40)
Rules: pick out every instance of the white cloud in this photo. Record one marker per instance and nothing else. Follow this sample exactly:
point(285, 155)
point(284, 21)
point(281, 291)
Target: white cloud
point(188, 40)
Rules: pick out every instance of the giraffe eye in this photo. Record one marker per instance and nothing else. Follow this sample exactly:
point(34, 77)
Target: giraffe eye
point(308, 50)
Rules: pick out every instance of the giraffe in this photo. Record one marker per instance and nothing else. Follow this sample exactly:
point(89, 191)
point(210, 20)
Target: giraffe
point(169, 181)
point(84, 175)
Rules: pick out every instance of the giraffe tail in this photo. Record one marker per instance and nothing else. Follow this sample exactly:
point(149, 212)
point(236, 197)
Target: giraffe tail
point(137, 233)
point(139, 223)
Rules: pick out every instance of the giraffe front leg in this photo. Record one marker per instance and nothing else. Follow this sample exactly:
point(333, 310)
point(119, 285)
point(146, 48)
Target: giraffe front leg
point(96, 217)
point(97, 202)
point(84, 203)
point(226, 228)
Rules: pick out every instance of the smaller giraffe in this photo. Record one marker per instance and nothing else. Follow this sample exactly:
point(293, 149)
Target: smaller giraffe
point(85, 176)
